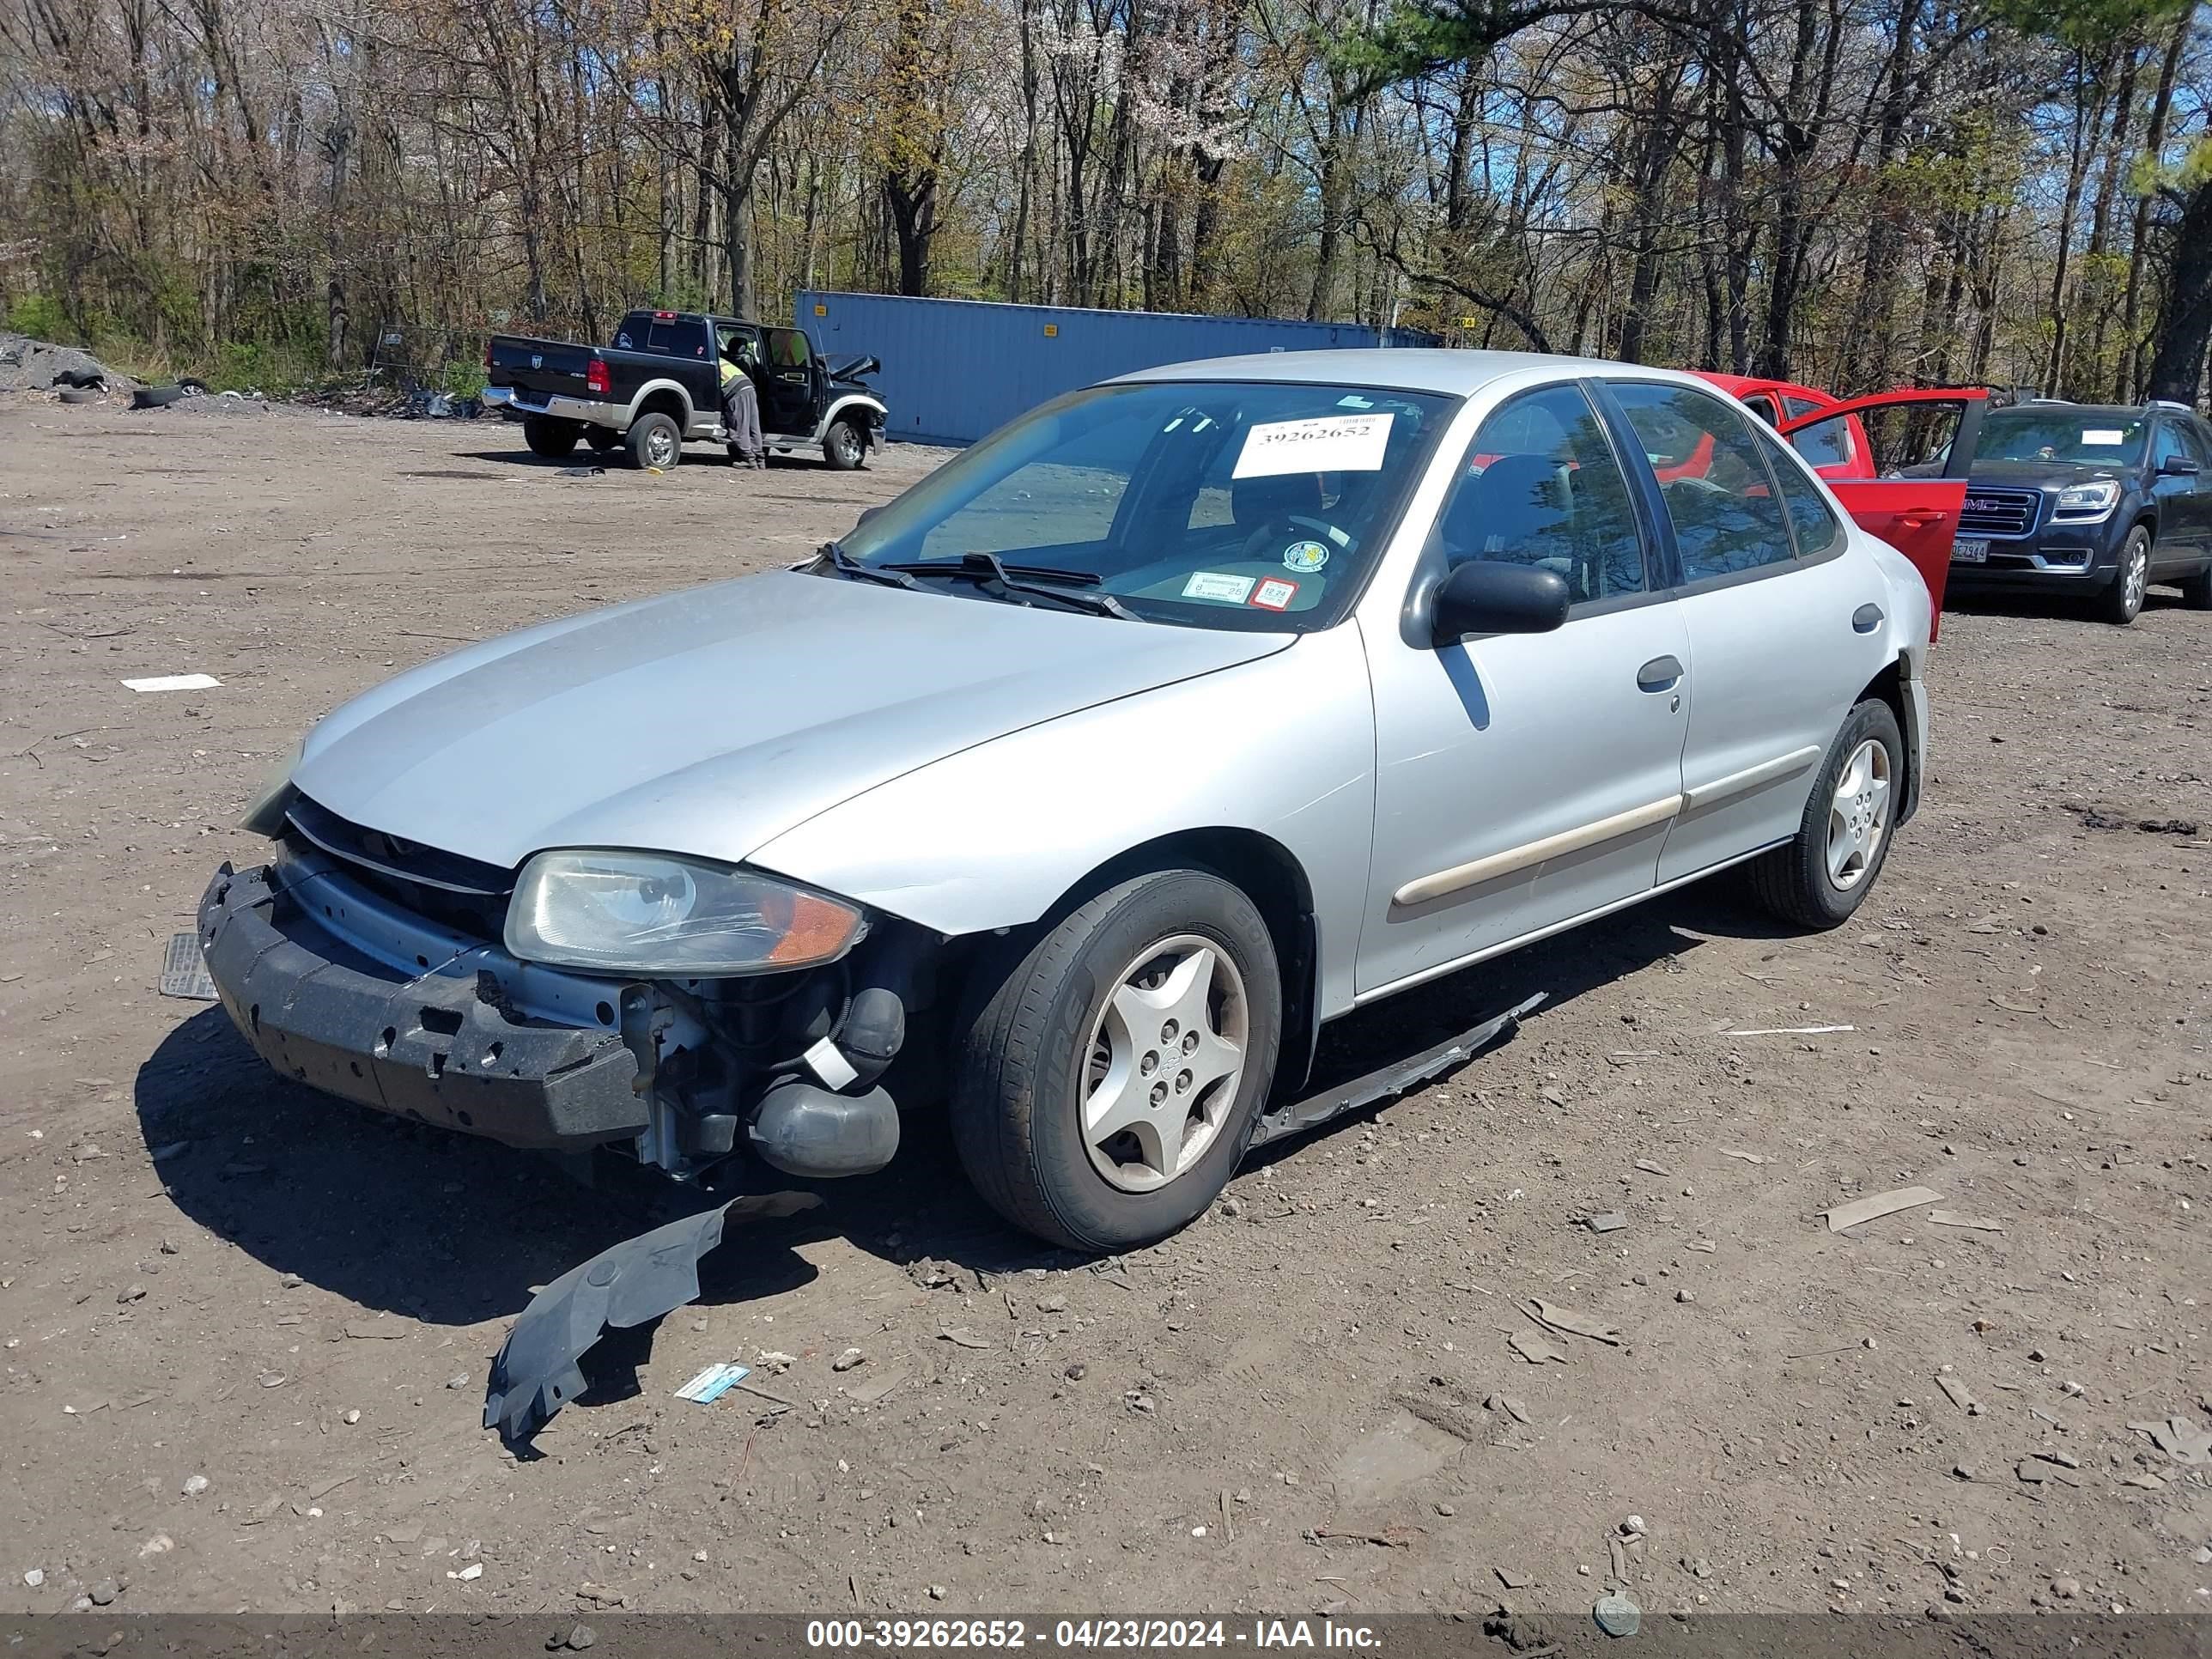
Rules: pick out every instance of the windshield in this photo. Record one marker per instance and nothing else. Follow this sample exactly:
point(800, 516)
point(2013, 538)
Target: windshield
point(2085, 437)
point(1213, 504)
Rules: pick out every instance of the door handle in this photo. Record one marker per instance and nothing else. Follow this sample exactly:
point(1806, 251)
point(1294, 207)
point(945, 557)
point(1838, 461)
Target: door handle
point(1866, 618)
point(1919, 518)
point(1659, 674)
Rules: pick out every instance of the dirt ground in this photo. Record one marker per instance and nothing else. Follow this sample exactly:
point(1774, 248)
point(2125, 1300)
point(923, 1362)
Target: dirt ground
point(1307, 1403)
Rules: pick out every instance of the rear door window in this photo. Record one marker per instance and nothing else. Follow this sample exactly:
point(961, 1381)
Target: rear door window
point(1814, 524)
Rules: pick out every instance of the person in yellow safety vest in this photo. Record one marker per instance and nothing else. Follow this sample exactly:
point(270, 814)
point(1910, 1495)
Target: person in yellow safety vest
point(741, 405)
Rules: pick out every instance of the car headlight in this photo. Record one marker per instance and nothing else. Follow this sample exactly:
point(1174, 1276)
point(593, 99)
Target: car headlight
point(264, 815)
point(675, 918)
point(2088, 501)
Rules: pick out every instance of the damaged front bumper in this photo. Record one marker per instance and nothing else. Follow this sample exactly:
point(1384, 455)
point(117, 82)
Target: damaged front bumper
point(290, 951)
point(340, 986)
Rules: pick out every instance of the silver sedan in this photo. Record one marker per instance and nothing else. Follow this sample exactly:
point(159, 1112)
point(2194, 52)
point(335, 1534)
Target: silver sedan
point(1080, 784)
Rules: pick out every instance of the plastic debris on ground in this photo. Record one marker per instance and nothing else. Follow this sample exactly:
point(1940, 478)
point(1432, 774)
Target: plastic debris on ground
point(1880, 1204)
point(1617, 1615)
point(184, 970)
point(623, 1286)
point(173, 683)
point(714, 1383)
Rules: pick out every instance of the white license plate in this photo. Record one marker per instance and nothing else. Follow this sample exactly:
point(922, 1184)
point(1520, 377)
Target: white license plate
point(1964, 551)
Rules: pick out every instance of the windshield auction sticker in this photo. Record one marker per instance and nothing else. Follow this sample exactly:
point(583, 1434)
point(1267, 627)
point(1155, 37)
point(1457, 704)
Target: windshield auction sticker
point(1331, 443)
point(1218, 585)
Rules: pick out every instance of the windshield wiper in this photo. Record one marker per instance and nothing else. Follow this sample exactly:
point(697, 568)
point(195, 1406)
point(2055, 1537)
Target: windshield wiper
point(981, 567)
point(844, 562)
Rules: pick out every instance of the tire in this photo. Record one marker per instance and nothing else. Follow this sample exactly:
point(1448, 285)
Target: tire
point(845, 447)
point(554, 439)
point(1031, 1052)
point(83, 394)
point(2123, 602)
point(655, 440)
point(156, 397)
point(602, 439)
point(2197, 589)
point(1797, 882)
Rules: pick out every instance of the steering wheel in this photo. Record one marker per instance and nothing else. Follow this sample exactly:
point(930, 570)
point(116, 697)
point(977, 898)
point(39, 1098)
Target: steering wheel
point(1296, 526)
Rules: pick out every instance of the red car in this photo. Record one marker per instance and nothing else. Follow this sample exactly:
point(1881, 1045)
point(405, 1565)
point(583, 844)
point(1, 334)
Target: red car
point(1910, 496)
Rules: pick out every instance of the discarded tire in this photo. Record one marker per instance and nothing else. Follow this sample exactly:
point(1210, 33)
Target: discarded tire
point(84, 394)
point(156, 397)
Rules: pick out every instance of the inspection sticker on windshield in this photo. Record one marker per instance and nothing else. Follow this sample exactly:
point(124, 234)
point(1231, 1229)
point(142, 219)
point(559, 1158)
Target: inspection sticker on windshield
point(2104, 434)
point(1331, 443)
point(1275, 595)
point(1218, 585)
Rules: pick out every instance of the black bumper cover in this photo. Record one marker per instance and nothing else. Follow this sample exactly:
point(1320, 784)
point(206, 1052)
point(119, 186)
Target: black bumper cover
point(437, 1049)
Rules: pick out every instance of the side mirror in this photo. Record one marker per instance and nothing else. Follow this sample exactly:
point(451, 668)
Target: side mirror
point(866, 514)
point(2179, 466)
point(1484, 596)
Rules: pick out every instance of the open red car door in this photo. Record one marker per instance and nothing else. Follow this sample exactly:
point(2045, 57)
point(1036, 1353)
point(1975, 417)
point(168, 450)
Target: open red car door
point(1924, 443)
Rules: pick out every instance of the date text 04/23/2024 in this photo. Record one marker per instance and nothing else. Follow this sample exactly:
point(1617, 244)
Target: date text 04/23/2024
point(899, 1635)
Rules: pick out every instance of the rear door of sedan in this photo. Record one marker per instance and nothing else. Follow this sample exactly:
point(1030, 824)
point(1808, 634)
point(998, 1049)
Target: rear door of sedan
point(1784, 620)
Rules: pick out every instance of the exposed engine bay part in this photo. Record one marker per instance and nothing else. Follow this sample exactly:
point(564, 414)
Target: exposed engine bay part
point(631, 1283)
point(805, 1130)
point(1389, 1081)
point(785, 1062)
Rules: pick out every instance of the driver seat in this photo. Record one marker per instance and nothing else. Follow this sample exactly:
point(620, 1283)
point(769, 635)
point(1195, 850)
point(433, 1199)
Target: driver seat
point(1254, 503)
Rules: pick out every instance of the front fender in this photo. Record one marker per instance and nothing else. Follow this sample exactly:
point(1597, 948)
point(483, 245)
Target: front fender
point(874, 407)
point(993, 836)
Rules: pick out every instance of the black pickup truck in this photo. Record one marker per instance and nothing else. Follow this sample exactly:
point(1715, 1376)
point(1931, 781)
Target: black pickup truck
point(659, 386)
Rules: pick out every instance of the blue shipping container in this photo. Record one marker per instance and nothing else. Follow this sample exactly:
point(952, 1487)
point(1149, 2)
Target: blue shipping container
point(956, 370)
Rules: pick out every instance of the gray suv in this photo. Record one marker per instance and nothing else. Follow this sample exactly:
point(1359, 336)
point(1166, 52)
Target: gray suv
point(2088, 500)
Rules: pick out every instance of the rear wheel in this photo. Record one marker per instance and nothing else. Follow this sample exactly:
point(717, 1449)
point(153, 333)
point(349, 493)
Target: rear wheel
point(2123, 602)
point(1110, 1084)
point(655, 442)
point(845, 445)
point(549, 438)
point(1824, 874)
point(2196, 590)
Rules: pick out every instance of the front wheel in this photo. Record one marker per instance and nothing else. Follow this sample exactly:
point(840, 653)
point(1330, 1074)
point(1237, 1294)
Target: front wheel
point(1109, 1086)
point(2123, 602)
point(551, 439)
point(1819, 877)
point(845, 447)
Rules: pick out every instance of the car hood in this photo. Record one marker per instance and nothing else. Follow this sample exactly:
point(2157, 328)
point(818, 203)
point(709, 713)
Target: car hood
point(712, 720)
point(2038, 475)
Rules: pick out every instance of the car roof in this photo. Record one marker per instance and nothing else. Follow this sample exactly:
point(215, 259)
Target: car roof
point(1451, 374)
point(1737, 384)
point(2102, 412)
